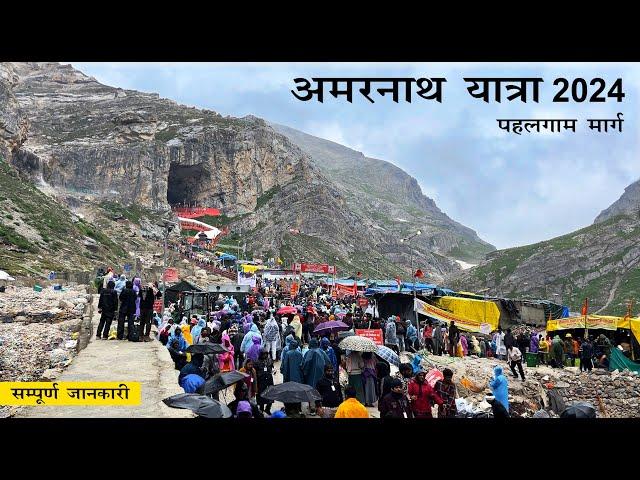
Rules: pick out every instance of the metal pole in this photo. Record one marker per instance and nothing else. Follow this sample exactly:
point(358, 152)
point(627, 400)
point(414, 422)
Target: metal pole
point(164, 265)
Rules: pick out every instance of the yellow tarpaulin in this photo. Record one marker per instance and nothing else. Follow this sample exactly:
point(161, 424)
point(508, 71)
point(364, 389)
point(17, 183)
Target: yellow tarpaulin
point(593, 321)
point(251, 268)
point(468, 324)
point(471, 309)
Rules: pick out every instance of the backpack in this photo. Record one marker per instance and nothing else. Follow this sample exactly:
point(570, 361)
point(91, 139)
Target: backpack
point(134, 334)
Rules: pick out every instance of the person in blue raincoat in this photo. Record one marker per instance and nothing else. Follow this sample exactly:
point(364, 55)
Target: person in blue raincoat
point(412, 336)
point(191, 383)
point(500, 387)
point(247, 341)
point(291, 367)
point(195, 332)
point(325, 344)
point(313, 363)
point(415, 364)
point(176, 334)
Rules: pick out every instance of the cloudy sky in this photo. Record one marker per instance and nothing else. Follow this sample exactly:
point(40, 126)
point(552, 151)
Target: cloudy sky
point(512, 189)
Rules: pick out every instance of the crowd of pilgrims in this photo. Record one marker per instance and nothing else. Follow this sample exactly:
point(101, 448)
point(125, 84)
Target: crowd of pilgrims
point(258, 340)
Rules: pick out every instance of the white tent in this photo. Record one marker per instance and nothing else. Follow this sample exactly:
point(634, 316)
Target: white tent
point(5, 276)
point(211, 234)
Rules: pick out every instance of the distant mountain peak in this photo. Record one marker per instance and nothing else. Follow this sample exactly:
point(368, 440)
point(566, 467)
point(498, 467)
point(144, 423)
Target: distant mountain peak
point(627, 204)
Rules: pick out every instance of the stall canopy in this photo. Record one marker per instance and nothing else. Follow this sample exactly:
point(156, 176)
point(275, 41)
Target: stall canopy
point(603, 322)
point(228, 256)
point(472, 309)
point(463, 323)
point(173, 292)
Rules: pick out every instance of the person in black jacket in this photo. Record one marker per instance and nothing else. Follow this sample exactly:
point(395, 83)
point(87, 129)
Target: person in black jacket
point(329, 388)
point(148, 296)
point(127, 308)
point(395, 403)
point(107, 306)
point(454, 336)
point(264, 373)
point(509, 341)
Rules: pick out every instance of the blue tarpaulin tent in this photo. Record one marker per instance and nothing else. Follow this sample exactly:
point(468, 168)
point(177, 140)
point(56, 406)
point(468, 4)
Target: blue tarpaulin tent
point(227, 256)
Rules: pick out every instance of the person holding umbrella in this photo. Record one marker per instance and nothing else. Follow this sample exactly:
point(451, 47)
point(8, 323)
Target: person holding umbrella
point(354, 364)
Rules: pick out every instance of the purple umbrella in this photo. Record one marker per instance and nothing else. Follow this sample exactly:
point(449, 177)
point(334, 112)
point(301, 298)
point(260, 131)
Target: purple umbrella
point(331, 326)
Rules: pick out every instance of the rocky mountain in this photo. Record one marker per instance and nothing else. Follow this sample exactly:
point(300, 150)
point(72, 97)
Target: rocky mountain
point(627, 204)
point(390, 200)
point(601, 262)
point(89, 144)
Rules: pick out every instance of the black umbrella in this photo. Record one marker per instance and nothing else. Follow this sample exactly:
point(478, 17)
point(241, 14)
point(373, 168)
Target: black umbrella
point(291, 392)
point(579, 410)
point(221, 381)
point(201, 405)
point(206, 348)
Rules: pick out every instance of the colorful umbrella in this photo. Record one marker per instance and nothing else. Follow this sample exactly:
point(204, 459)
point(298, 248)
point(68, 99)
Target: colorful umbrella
point(388, 354)
point(287, 309)
point(332, 326)
point(358, 344)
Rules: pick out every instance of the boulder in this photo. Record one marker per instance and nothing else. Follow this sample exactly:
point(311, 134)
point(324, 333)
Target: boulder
point(65, 304)
point(58, 356)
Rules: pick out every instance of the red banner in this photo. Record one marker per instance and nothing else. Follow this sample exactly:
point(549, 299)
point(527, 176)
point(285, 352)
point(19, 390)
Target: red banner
point(157, 306)
point(343, 290)
point(170, 275)
point(294, 289)
point(374, 334)
point(363, 302)
point(314, 268)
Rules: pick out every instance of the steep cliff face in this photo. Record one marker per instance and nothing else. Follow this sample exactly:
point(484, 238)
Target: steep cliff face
point(627, 204)
point(390, 199)
point(103, 141)
point(89, 142)
point(13, 124)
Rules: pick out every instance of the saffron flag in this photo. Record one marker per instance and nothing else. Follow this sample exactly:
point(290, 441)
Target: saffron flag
point(585, 306)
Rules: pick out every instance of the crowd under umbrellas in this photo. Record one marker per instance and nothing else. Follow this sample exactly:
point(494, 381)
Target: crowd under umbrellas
point(267, 355)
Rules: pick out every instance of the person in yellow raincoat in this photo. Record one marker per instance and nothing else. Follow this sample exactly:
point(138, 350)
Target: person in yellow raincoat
point(351, 407)
point(186, 333)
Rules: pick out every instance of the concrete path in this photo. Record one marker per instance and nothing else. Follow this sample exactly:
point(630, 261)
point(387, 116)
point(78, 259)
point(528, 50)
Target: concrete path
point(119, 360)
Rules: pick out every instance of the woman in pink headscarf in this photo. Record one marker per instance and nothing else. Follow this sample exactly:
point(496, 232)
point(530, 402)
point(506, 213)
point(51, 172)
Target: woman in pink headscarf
point(225, 360)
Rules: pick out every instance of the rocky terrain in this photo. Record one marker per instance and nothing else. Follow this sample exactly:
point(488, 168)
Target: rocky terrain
point(390, 201)
point(601, 262)
point(627, 204)
point(613, 394)
point(88, 143)
point(40, 332)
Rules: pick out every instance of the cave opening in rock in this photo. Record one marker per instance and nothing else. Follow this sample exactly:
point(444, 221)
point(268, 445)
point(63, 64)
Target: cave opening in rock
point(186, 184)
